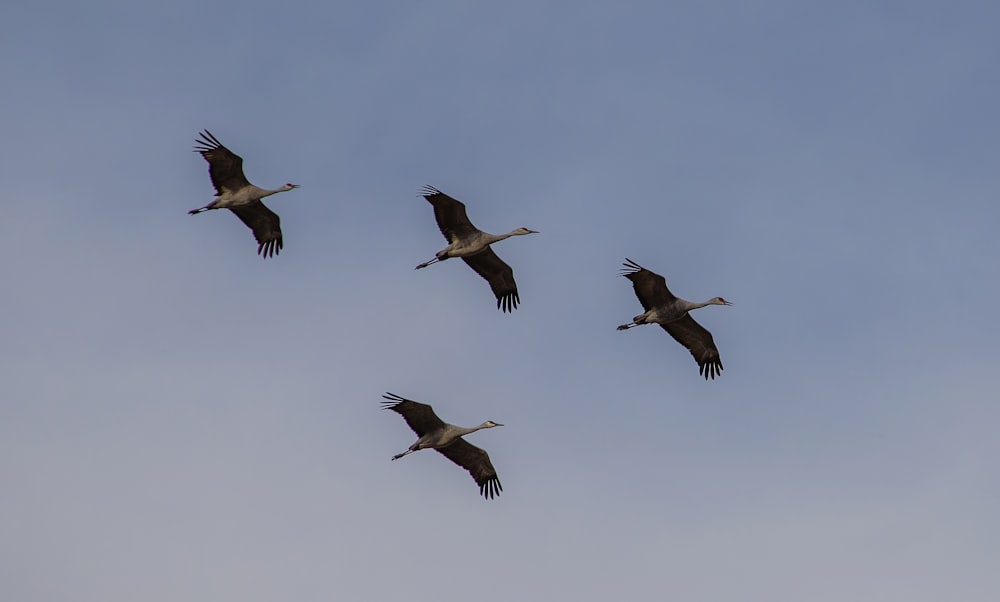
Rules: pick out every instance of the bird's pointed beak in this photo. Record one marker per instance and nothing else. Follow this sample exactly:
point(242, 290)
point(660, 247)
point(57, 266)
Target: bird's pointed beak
point(726, 303)
point(497, 423)
point(534, 231)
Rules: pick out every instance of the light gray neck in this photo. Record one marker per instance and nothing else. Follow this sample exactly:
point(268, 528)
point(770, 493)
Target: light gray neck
point(691, 305)
point(463, 430)
point(492, 238)
point(265, 192)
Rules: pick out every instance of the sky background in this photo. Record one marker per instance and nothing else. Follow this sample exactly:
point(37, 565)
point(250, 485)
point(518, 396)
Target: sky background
point(182, 420)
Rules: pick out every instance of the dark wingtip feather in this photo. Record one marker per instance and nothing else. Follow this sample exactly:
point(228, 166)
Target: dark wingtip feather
point(710, 369)
point(393, 399)
point(270, 248)
point(630, 267)
point(508, 303)
point(207, 143)
point(212, 139)
point(490, 488)
point(428, 191)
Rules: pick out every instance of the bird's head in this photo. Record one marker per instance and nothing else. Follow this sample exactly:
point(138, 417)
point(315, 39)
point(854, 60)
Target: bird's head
point(521, 231)
point(490, 424)
point(291, 186)
point(720, 301)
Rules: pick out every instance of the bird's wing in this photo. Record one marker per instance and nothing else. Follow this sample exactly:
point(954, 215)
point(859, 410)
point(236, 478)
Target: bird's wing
point(699, 342)
point(477, 462)
point(450, 214)
point(265, 224)
point(419, 416)
point(224, 166)
point(650, 287)
point(499, 275)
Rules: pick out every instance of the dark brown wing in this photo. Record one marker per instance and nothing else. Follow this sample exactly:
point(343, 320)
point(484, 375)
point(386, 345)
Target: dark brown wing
point(450, 214)
point(699, 342)
point(266, 227)
point(477, 462)
point(419, 416)
point(499, 275)
point(224, 166)
point(650, 287)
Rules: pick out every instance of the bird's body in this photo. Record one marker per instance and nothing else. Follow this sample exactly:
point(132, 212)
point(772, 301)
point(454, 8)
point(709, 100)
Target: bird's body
point(476, 242)
point(663, 314)
point(672, 314)
point(473, 246)
point(248, 195)
point(434, 433)
point(236, 193)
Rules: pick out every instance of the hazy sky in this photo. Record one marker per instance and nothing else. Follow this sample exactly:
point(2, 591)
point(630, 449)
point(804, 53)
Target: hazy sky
point(182, 420)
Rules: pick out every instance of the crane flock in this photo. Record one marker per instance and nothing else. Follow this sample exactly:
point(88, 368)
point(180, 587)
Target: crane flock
point(236, 193)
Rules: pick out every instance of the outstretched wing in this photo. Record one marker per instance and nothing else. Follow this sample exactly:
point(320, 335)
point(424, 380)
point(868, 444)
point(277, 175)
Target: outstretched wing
point(650, 287)
point(266, 227)
point(499, 275)
point(477, 462)
point(419, 416)
point(224, 166)
point(699, 342)
point(449, 213)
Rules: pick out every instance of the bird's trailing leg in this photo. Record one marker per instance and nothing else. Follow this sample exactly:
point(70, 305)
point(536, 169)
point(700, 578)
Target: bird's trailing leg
point(200, 209)
point(427, 263)
point(407, 452)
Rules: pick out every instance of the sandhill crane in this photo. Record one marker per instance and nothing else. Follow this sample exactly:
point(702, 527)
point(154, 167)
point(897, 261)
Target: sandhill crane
point(473, 246)
point(671, 313)
point(236, 193)
point(447, 439)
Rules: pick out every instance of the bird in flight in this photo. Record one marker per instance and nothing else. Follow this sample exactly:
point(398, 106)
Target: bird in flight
point(434, 433)
point(236, 193)
point(671, 313)
point(473, 246)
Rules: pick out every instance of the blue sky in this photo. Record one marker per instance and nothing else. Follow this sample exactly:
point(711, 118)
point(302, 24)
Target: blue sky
point(183, 420)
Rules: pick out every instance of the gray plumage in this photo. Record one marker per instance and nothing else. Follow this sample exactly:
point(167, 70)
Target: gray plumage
point(434, 433)
point(236, 193)
point(671, 313)
point(473, 246)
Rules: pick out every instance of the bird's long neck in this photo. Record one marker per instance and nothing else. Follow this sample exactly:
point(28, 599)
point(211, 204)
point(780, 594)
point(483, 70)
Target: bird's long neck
point(691, 305)
point(463, 430)
point(265, 192)
point(492, 238)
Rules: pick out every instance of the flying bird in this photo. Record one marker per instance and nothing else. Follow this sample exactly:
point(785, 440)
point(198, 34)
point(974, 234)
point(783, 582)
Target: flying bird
point(473, 246)
point(446, 438)
point(236, 193)
point(671, 313)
